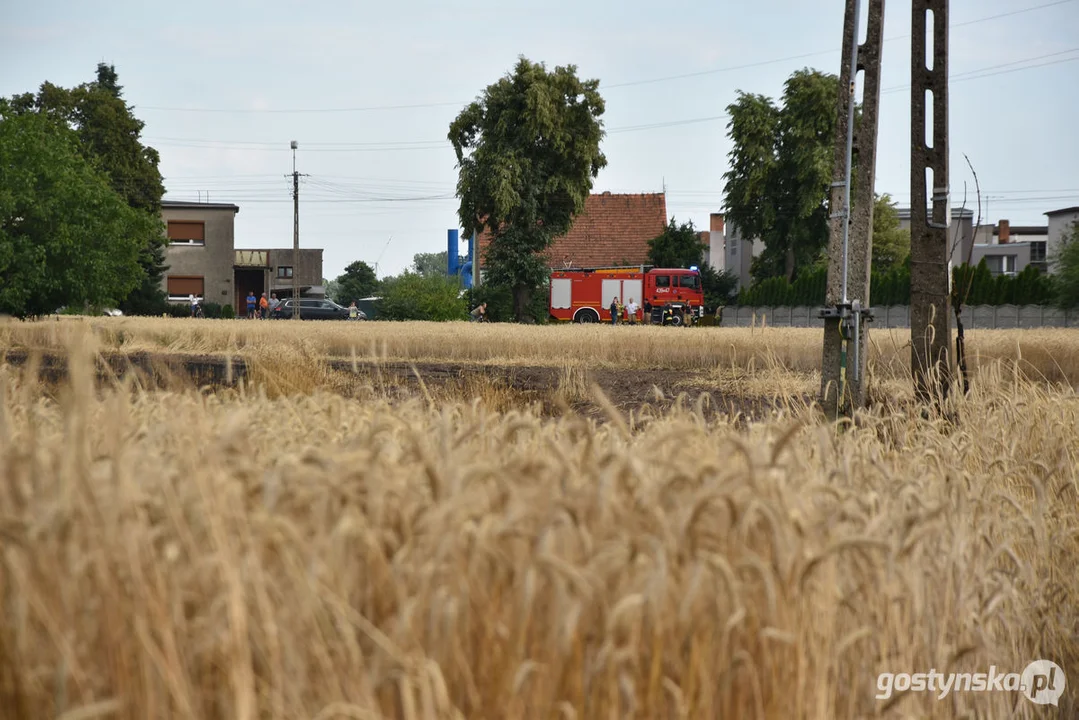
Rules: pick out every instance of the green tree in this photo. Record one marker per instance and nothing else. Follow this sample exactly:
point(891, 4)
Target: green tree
point(411, 296)
point(781, 169)
point(678, 246)
point(431, 264)
point(331, 288)
point(891, 243)
point(719, 287)
point(108, 133)
point(66, 237)
point(1066, 270)
point(527, 152)
point(357, 281)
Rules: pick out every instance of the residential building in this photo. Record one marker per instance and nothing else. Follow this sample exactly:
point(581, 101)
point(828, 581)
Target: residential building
point(203, 260)
point(200, 250)
point(612, 230)
point(714, 241)
point(1059, 229)
point(960, 232)
point(739, 253)
point(728, 251)
point(1008, 249)
point(273, 271)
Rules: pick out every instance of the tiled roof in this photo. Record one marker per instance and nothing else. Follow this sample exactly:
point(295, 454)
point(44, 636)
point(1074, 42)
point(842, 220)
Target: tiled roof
point(611, 230)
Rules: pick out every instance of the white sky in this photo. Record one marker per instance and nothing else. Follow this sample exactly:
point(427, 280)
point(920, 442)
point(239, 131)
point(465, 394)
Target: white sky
point(368, 91)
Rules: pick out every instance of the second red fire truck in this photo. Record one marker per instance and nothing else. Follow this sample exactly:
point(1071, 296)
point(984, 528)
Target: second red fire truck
point(663, 295)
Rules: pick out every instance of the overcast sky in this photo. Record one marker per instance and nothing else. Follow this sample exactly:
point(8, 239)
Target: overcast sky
point(368, 91)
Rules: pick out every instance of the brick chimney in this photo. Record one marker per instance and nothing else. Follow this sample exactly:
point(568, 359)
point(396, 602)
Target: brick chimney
point(1003, 232)
point(716, 222)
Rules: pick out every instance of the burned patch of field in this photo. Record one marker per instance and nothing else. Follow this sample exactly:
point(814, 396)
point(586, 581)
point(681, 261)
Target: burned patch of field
point(549, 390)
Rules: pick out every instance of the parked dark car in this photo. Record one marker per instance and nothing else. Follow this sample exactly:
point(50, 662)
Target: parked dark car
point(311, 310)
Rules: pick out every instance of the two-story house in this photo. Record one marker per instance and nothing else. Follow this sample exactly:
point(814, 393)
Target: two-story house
point(203, 260)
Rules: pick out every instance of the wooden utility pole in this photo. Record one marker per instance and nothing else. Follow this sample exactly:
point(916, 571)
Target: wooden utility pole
point(930, 274)
point(847, 313)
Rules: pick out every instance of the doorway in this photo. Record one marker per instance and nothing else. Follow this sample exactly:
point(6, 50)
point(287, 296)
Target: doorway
point(248, 280)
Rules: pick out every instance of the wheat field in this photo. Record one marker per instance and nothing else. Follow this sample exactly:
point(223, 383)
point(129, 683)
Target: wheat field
point(242, 554)
point(1045, 354)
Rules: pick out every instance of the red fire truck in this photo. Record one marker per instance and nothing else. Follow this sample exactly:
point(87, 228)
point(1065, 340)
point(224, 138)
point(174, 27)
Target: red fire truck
point(663, 295)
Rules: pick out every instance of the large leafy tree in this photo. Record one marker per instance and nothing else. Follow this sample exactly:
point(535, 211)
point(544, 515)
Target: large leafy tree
point(678, 246)
point(66, 237)
point(431, 264)
point(891, 243)
point(108, 133)
point(357, 281)
point(781, 168)
point(528, 151)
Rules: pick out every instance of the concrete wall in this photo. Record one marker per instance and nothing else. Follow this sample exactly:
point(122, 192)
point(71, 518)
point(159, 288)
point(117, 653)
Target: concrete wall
point(898, 316)
point(212, 261)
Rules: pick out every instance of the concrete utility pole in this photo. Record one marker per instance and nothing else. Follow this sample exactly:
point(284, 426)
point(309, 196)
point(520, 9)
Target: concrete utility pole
point(846, 313)
point(295, 237)
point(930, 277)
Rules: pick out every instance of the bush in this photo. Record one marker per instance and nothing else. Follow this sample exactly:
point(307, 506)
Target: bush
point(227, 313)
point(414, 297)
point(975, 285)
point(499, 299)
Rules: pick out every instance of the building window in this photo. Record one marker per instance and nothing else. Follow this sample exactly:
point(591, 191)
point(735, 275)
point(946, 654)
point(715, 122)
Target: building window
point(284, 271)
point(181, 287)
point(1001, 264)
point(1037, 251)
point(187, 232)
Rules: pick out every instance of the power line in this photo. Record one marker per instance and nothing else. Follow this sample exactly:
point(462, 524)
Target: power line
point(631, 83)
point(392, 146)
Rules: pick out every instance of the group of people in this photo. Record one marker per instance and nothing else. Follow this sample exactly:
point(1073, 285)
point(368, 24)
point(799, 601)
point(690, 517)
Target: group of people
point(629, 310)
point(260, 308)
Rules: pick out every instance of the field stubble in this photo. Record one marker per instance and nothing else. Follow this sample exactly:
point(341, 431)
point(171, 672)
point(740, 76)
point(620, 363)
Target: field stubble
point(261, 554)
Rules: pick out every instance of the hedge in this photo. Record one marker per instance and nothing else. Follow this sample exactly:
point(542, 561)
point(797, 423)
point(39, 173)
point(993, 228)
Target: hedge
point(892, 287)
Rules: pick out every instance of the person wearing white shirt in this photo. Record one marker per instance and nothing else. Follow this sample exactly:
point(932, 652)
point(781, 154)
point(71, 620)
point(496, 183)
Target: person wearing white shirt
point(631, 311)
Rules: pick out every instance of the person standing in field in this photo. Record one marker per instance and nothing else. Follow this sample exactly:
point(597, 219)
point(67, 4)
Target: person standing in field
point(250, 304)
point(631, 312)
point(614, 311)
point(274, 302)
point(479, 314)
point(264, 306)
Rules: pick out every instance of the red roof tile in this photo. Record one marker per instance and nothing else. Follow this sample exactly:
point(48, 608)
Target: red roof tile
point(611, 230)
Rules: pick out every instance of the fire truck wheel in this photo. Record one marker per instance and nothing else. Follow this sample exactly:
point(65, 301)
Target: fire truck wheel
point(586, 315)
point(677, 320)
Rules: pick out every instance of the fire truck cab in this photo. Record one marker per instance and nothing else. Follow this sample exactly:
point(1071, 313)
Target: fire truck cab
point(663, 295)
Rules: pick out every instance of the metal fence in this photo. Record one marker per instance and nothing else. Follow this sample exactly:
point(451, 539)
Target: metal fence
point(898, 316)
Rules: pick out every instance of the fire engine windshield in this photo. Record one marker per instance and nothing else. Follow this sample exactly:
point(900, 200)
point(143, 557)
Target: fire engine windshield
point(693, 282)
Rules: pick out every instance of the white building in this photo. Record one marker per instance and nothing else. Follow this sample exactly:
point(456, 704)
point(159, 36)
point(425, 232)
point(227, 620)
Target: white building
point(1060, 227)
point(727, 250)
